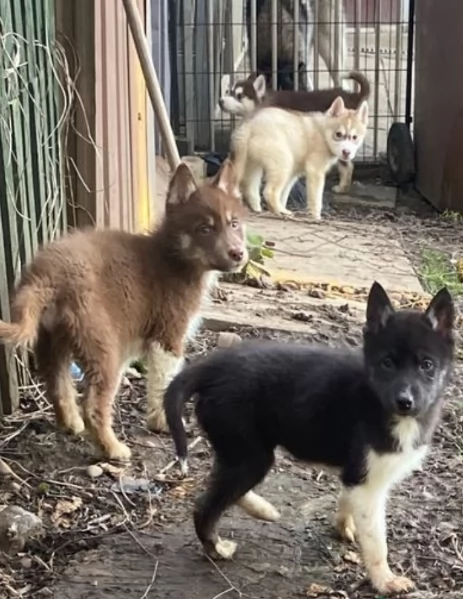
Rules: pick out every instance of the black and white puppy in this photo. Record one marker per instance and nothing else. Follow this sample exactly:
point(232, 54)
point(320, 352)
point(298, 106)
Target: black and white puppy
point(370, 415)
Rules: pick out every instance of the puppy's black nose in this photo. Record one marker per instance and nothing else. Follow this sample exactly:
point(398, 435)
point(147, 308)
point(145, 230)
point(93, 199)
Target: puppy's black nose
point(404, 403)
point(236, 254)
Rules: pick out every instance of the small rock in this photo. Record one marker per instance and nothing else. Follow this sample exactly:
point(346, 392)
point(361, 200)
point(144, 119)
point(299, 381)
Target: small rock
point(94, 471)
point(228, 339)
point(17, 526)
point(302, 316)
point(317, 293)
point(26, 563)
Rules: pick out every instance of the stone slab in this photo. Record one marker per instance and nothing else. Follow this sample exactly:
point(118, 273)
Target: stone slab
point(344, 253)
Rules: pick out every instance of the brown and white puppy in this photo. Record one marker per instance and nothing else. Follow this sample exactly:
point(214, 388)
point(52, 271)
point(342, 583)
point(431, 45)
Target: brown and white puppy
point(282, 145)
point(246, 96)
point(104, 297)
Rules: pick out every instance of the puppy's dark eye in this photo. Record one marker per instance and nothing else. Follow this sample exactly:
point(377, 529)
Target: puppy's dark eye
point(426, 365)
point(205, 230)
point(239, 96)
point(234, 224)
point(387, 363)
point(354, 137)
point(339, 135)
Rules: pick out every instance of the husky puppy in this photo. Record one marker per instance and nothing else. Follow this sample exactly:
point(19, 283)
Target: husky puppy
point(370, 415)
point(247, 95)
point(282, 145)
point(104, 297)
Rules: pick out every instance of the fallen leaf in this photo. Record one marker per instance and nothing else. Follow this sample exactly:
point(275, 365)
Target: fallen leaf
point(315, 590)
point(64, 507)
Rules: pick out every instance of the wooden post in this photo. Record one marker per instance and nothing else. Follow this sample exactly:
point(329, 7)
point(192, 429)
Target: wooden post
point(152, 83)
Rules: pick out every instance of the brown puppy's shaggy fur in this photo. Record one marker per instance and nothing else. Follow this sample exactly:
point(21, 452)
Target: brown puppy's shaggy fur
point(103, 297)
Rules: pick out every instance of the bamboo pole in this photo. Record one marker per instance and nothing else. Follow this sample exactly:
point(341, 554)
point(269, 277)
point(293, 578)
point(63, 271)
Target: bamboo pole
point(152, 82)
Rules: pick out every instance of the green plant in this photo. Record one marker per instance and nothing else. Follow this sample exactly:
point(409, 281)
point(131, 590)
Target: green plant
point(452, 216)
point(258, 250)
point(437, 271)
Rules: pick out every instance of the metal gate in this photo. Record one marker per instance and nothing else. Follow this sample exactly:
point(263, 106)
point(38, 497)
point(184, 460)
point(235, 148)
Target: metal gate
point(210, 48)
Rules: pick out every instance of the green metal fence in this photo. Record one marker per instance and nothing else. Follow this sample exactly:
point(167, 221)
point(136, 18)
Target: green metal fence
point(32, 199)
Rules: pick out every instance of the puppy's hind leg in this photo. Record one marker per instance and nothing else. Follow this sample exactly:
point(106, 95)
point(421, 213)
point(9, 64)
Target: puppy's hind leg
point(275, 189)
point(251, 187)
point(227, 484)
point(53, 359)
point(285, 194)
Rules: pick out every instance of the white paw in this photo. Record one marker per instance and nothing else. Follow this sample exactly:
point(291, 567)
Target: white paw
point(157, 423)
point(74, 427)
point(339, 189)
point(392, 584)
point(225, 549)
point(286, 212)
point(118, 451)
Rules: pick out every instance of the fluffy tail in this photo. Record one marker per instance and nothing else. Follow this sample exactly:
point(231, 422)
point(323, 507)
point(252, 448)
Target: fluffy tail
point(181, 388)
point(26, 312)
point(362, 81)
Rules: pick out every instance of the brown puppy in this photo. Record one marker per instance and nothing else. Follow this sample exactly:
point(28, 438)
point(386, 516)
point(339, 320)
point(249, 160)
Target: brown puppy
point(103, 297)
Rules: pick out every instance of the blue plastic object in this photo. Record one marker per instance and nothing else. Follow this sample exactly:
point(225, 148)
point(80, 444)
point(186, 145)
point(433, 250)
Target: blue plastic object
point(76, 373)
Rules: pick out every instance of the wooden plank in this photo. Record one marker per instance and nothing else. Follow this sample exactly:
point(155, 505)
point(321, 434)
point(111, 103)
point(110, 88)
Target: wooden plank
point(55, 209)
point(87, 42)
point(35, 73)
point(9, 395)
point(18, 104)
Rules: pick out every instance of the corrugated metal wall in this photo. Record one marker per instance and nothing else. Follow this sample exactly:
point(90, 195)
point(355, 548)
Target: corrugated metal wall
point(111, 184)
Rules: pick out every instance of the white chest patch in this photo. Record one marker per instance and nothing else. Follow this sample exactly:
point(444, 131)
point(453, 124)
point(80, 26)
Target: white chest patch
point(196, 319)
point(386, 470)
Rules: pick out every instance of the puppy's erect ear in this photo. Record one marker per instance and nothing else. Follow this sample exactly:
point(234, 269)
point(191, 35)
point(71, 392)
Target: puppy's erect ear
point(362, 112)
point(441, 312)
point(182, 185)
point(336, 108)
point(260, 86)
point(225, 179)
point(379, 308)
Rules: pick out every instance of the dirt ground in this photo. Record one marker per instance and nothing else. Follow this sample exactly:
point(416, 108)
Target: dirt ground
point(127, 533)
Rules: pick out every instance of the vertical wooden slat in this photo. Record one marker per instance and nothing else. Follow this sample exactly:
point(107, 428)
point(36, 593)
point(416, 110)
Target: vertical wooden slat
point(36, 75)
point(19, 110)
point(29, 155)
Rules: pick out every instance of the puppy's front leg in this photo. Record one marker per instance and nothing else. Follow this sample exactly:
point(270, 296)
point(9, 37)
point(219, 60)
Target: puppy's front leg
point(345, 168)
point(162, 366)
point(368, 509)
point(315, 183)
